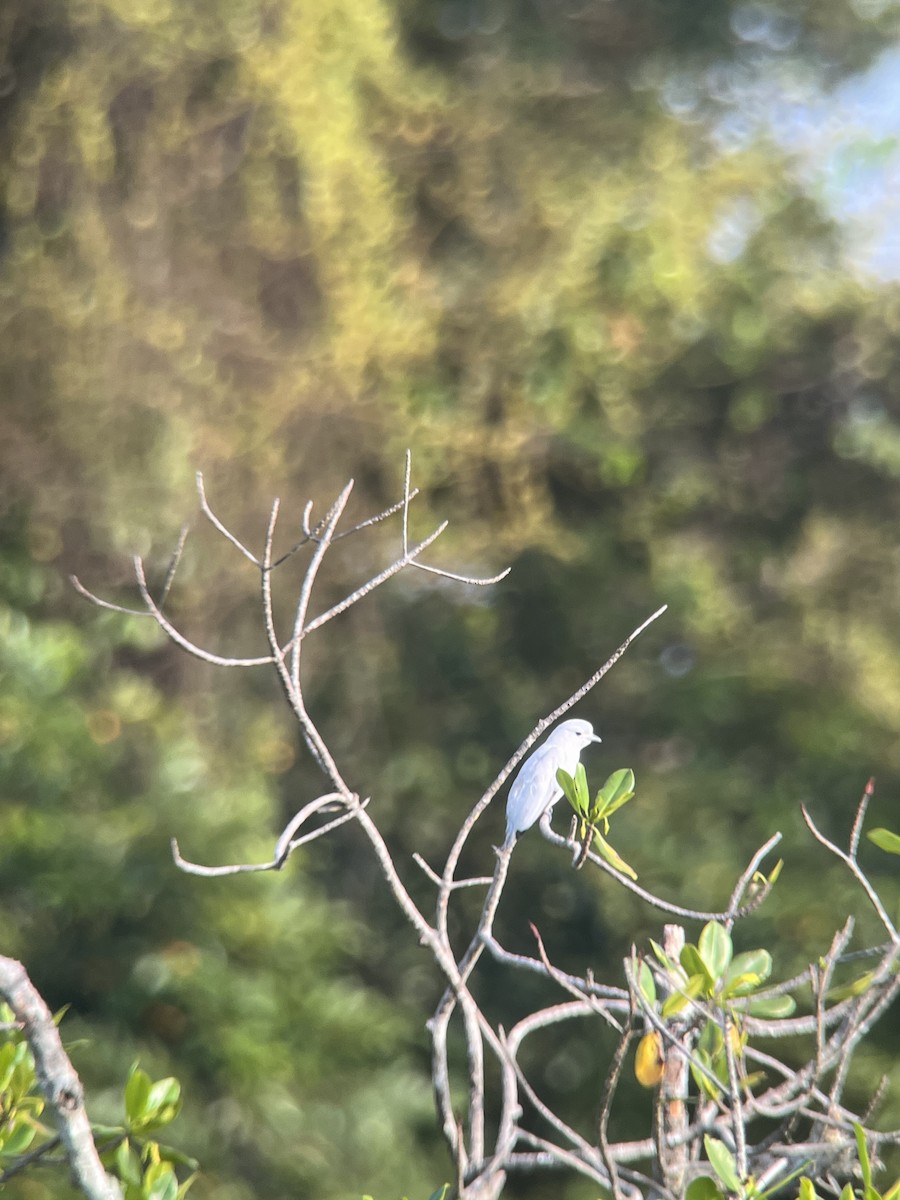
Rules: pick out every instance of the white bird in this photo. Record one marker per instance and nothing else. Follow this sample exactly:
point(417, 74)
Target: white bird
point(535, 789)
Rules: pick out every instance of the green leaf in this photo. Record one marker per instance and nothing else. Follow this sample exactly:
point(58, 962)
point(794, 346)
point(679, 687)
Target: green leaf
point(137, 1092)
point(18, 1139)
point(567, 783)
point(679, 1000)
point(127, 1163)
point(7, 1064)
point(160, 1182)
point(885, 840)
point(170, 1155)
point(647, 984)
point(807, 1191)
point(744, 985)
point(440, 1193)
point(165, 1093)
point(694, 963)
point(756, 963)
point(575, 790)
point(105, 1133)
point(703, 1188)
point(846, 1192)
point(617, 790)
point(661, 955)
point(722, 1162)
point(614, 860)
point(701, 1079)
point(862, 1150)
point(855, 988)
point(184, 1187)
point(715, 948)
point(711, 1039)
point(774, 1008)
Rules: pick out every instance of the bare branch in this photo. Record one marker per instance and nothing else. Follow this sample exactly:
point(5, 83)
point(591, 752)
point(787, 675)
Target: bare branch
point(735, 909)
point(407, 471)
point(666, 906)
point(574, 989)
point(309, 535)
point(479, 881)
point(217, 524)
point(107, 604)
point(331, 520)
point(179, 639)
point(472, 579)
point(287, 842)
point(408, 559)
point(849, 859)
point(606, 1102)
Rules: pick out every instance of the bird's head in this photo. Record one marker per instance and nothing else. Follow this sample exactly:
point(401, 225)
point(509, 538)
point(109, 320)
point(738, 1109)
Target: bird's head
point(577, 731)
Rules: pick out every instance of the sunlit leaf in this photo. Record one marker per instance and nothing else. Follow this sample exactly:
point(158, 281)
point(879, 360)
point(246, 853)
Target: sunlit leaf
point(694, 963)
point(647, 984)
point(722, 1162)
point(694, 987)
point(773, 1007)
point(137, 1092)
point(715, 948)
point(609, 854)
point(618, 790)
point(862, 1151)
point(750, 965)
point(701, 1078)
point(885, 840)
point(703, 1188)
point(857, 987)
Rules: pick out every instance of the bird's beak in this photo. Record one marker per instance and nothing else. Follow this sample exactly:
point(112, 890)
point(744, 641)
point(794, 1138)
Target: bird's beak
point(596, 738)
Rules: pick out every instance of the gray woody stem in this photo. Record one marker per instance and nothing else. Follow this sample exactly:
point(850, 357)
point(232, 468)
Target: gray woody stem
point(58, 1081)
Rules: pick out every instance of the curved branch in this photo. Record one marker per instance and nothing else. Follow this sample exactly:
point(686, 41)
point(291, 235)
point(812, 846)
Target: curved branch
point(286, 843)
point(217, 660)
point(667, 906)
point(850, 861)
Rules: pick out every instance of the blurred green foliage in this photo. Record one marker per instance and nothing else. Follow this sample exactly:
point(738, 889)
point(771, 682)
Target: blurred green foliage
point(281, 242)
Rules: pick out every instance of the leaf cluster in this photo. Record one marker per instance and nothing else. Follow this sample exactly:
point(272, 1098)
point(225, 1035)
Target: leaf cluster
point(146, 1167)
point(594, 815)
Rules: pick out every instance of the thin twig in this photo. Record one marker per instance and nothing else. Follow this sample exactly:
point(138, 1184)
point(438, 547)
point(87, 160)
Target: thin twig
point(735, 908)
point(606, 1102)
point(573, 989)
point(216, 660)
point(408, 559)
point(849, 860)
point(666, 906)
point(28, 1160)
point(217, 524)
point(285, 845)
point(107, 604)
point(479, 881)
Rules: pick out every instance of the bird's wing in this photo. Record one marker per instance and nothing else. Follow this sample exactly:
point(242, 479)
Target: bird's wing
point(534, 790)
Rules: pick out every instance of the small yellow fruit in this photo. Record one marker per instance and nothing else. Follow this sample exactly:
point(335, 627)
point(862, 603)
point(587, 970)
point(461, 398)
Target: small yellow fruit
point(648, 1060)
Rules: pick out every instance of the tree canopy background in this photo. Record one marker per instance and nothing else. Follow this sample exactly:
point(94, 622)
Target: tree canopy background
point(553, 249)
